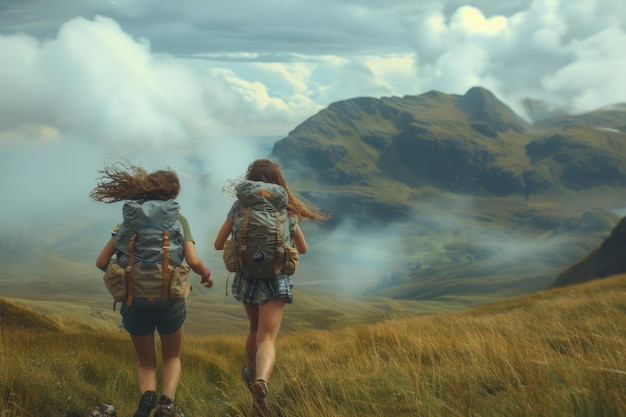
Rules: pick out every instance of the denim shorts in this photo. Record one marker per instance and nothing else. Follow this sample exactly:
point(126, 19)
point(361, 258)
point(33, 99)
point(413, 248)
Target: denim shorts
point(141, 320)
point(258, 291)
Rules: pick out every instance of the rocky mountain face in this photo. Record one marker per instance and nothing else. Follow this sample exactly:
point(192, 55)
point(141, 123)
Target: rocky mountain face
point(608, 259)
point(472, 144)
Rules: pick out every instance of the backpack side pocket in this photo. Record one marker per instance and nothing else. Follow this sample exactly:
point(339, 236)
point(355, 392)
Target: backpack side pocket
point(180, 287)
point(292, 259)
point(230, 256)
point(114, 281)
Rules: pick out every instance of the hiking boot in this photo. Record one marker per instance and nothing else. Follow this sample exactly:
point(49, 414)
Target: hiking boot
point(146, 404)
point(245, 374)
point(164, 411)
point(166, 408)
point(259, 398)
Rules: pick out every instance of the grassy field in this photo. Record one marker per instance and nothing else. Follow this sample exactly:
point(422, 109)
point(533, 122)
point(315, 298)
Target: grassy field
point(213, 313)
point(554, 353)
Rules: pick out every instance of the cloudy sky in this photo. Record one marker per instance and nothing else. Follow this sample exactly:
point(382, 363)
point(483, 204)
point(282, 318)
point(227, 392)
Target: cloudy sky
point(204, 87)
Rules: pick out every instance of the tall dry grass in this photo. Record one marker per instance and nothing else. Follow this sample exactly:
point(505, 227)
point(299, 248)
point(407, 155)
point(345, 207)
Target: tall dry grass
point(555, 353)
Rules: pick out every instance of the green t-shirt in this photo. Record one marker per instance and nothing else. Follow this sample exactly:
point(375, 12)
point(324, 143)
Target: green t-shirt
point(187, 237)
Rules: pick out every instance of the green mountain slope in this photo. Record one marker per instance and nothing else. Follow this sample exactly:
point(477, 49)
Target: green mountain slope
point(466, 199)
point(382, 154)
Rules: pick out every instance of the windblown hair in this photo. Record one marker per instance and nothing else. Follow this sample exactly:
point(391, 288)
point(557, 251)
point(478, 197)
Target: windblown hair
point(123, 181)
point(270, 172)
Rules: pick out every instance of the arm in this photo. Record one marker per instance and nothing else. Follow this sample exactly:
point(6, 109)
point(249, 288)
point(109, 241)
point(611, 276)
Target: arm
point(223, 234)
point(196, 264)
point(105, 255)
point(191, 256)
point(298, 240)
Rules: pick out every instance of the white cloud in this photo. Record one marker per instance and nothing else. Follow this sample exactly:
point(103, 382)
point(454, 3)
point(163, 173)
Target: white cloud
point(393, 72)
point(596, 74)
point(470, 20)
point(551, 50)
point(280, 51)
point(296, 75)
point(95, 81)
point(94, 94)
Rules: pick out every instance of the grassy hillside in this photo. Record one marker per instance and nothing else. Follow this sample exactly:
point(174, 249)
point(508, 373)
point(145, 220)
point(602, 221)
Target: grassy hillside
point(210, 312)
point(554, 353)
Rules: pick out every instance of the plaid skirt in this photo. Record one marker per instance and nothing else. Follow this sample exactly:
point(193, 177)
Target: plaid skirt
point(259, 291)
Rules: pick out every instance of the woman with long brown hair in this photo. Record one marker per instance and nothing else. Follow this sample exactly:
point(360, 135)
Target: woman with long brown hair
point(264, 299)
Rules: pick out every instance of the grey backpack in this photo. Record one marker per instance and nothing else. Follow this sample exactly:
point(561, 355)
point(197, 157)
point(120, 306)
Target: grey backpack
point(149, 246)
point(263, 232)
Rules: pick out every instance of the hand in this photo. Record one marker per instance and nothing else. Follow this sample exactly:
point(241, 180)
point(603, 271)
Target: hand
point(206, 280)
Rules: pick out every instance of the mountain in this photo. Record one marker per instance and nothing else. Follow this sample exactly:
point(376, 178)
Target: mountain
point(606, 260)
point(375, 157)
point(465, 199)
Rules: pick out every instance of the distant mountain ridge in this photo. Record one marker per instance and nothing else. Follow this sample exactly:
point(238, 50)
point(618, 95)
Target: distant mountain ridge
point(472, 144)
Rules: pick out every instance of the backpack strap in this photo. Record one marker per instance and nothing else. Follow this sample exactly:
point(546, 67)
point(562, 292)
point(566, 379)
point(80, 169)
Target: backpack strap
point(279, 244)
point(129, 271)
point(244, 235)
point(166, 265)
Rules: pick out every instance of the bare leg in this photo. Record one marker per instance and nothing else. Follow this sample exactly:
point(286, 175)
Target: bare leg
point(270, 318)
point(253, 318)
point(146, 353)
point(171, 345)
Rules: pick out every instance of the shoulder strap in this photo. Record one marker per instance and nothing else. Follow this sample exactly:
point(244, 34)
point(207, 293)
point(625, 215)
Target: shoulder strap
point(166, 265)
point(279, 244)
point(243, 236)
point(128, 272)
